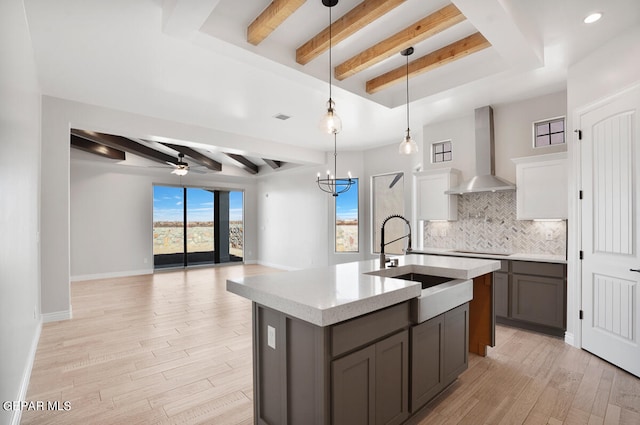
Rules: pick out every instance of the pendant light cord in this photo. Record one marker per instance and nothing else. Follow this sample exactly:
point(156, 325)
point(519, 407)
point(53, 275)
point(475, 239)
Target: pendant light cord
point(330, 65)
point(407, 92)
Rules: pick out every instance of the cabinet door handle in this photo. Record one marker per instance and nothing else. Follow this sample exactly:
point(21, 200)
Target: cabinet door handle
point(635, 270)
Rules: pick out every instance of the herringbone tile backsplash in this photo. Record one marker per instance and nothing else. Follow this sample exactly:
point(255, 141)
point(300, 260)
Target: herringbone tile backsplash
point(487, 223)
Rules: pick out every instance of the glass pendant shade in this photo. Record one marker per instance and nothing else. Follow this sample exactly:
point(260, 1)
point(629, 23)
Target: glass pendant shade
point(408, 146)
point(331, 122)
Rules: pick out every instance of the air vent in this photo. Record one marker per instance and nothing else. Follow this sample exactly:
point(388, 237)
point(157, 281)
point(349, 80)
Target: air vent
point(282, 117)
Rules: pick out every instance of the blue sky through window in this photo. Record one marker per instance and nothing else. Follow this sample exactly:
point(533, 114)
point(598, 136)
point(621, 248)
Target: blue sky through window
point(347, 204)
point(168, 204)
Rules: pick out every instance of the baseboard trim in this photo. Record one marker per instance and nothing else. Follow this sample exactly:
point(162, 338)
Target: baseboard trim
point(57, 316)
point(277, 266)
point(569, 338)
point(26, 376)
point(97, 276)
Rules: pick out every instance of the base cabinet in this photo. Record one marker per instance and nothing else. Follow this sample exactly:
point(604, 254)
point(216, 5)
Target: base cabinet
point(439, 353)
point(531, 295)
point(376, 369)
point(370, 386)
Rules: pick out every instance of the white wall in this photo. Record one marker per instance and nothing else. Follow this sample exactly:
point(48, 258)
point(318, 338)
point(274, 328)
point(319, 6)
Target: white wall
point(19, 209)
point(513, 135)
point(385, 160)
point(58, 116)
point(607, 70)
point(112, 217)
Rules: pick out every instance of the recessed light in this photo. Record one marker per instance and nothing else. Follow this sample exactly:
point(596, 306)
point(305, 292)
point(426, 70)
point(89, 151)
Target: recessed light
point(594, 17)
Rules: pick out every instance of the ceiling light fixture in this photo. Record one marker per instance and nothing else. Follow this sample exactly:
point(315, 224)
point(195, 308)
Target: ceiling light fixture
point(594, 17)
point(181, 167)
point(330, 122)
point(331, 184)
point(408, 146)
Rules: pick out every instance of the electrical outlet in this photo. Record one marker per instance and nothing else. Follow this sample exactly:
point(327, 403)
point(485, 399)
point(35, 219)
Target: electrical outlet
point(271, 337)
point(146, 260)
point(549, 235)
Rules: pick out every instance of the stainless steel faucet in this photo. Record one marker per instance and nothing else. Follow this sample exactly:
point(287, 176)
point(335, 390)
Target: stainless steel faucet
point(382, 243)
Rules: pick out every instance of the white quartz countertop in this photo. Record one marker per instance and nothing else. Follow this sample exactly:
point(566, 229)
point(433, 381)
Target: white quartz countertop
point(328, 295)
point(519, 256)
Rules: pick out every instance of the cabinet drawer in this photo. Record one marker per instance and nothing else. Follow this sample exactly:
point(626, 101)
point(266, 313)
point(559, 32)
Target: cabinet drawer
point(363, 330)
point(540, 269)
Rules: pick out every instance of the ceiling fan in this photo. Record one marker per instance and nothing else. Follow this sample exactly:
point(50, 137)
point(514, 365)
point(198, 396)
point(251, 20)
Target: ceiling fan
point(180, 168)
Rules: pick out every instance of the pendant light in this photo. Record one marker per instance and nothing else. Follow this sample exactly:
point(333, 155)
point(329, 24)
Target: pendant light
point(331, 184)
point(330, 122)
point(408, 146)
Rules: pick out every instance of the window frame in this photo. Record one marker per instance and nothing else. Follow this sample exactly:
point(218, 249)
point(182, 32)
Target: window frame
point(549, 121)
point(335, 220)
point(433, 151)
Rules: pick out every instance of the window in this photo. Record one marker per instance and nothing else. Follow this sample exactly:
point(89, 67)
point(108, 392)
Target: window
point(347, 228)
point(194, 225)
point(441, 151)
point(548, 132)
point(387, 196)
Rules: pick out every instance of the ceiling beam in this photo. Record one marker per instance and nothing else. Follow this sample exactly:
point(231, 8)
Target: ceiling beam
point(419, 31)
point(196, 156)
point(273, 163)
point(270, 19)
point(243, 162)
point(353, 21)
point(96, 148)
point(435, 59)
point(125, 144)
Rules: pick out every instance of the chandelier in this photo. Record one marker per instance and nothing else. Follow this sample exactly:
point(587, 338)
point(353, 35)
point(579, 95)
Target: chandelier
point(331, 184)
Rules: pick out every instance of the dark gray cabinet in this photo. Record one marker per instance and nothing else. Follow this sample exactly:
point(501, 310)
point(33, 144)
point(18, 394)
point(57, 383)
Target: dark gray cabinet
point(531, 295)
point(371, 385)
point(439, 353)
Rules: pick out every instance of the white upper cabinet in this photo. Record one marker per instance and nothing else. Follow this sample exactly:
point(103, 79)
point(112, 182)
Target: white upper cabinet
point(431, 201)
point(542, 186)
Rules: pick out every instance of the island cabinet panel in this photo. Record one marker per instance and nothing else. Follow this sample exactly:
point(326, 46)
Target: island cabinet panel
point(362, 330)
point(370, 386)
point(427, 354)
point(392, 380)
point(439, 353)
point(455, 337)
point(353, 384)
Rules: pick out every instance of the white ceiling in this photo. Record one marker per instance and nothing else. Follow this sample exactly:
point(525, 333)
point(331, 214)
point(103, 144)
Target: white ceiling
point(188, 61)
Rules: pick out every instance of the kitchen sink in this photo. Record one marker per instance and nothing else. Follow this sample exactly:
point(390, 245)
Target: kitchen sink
point(427, 280)
point(439, 294)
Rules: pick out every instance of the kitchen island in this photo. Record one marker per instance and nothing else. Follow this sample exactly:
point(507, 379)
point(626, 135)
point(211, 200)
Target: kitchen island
point(353, 343)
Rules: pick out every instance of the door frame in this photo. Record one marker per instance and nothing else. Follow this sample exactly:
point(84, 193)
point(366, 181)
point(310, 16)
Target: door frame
point(574, 265)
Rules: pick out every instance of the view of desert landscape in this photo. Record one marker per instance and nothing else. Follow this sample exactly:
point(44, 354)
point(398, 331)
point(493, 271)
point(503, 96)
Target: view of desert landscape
point(168, 237)
point(347, 236)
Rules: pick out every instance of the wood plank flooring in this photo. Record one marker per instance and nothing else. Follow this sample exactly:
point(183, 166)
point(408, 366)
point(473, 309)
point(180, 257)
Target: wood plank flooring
point(175, 348)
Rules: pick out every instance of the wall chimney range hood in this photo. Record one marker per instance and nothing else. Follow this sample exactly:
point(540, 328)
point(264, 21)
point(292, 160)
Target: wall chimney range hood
point(485, 179)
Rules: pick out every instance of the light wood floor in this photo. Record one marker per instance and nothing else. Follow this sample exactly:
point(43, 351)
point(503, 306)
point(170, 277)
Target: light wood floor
point(175, 347)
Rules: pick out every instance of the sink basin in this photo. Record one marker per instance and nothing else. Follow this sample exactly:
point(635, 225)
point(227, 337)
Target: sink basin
point(427, 280)
point(439, 294)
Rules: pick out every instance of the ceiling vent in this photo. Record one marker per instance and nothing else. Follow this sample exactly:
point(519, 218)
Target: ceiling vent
point(282, 117)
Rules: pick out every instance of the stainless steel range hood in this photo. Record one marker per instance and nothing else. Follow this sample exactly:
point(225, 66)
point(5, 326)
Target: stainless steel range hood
point(485, 179)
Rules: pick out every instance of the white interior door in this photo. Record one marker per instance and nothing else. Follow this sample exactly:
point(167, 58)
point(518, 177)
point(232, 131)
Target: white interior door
point(610, 154)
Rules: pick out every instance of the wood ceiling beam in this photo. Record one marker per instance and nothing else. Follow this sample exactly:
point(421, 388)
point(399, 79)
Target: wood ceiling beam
point(125, 144)
point(96, 148)
point(454, 51)
point(419, 31)
point(353, 21)
point(243, 162)
point(273, 163)
point(196, 156)
point(270, 18)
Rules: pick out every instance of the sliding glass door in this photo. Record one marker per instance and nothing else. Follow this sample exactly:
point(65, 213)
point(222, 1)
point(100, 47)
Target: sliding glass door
point(194, 226)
